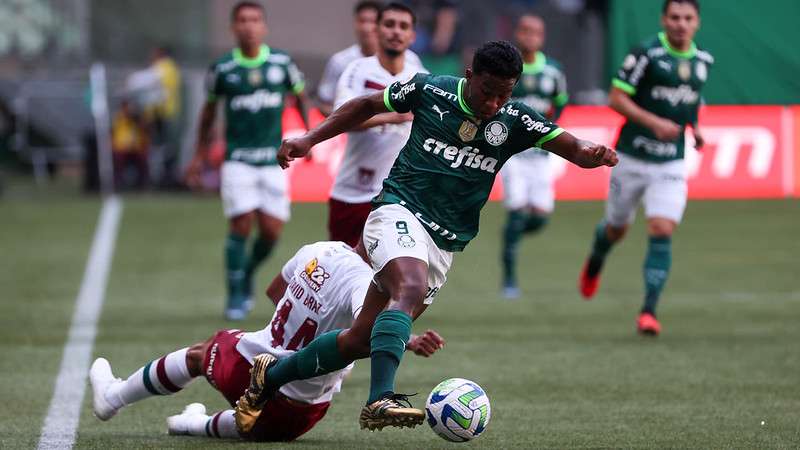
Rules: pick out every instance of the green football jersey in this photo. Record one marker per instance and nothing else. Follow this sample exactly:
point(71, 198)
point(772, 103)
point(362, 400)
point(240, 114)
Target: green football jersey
point(446, 169)
point(542, 87)
point(254, 90)
point(667, 83)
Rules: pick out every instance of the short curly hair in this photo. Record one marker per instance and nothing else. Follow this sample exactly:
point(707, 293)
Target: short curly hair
point(498, 58)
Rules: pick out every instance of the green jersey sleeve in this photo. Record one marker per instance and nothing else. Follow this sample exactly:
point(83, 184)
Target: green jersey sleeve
point(403, 97)
point(632, 71)
point(295, 81)
point(213, 84)
point(531, 129)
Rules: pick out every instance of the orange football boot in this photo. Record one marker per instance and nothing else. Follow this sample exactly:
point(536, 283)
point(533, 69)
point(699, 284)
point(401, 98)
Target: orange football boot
point(648, 325)
point(586, 284)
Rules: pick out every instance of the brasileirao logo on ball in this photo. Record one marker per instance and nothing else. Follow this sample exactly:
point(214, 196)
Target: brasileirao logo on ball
point(458, 410)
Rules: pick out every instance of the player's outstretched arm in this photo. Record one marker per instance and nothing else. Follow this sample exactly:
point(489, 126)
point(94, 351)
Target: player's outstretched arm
point(345, 118)
point(664, 129)
point(582, 153)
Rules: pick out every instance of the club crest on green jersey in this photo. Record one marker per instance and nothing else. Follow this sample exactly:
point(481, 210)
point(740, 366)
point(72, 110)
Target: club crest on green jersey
point(254, 77)
point(467, 131)
point(495, 133)
point(684, 70)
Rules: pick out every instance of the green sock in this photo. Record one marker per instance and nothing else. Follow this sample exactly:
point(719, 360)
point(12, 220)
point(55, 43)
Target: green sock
point(260, 251)
point(387, 344)
point(656, 270)
point(600, 248)
point(234, 268)
point(515, 226)
point(321, 356)
point(535, 222)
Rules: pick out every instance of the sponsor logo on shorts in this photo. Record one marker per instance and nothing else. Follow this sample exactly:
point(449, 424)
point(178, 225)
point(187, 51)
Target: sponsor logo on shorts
point(314, 275)
point(406, 241)
point(372, 247)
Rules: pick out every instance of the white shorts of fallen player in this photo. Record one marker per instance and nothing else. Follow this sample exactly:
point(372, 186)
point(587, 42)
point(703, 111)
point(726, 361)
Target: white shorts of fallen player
point(528, 182)
point(245, 188)
point(661, 187)
point(393, 232)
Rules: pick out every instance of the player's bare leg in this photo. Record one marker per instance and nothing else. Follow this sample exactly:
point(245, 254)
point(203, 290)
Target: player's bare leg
point(405, 281)
point(605, 237)
point(655, 269)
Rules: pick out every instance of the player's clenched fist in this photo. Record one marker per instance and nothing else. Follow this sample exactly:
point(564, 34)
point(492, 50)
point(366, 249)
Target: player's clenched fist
point(291, 149)
point(426, 343)
point(603, 155)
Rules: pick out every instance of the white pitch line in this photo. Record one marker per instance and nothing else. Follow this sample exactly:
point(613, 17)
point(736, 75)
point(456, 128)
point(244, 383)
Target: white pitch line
point(61, 424)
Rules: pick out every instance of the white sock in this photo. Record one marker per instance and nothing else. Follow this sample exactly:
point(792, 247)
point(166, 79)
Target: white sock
point(164, 376)
point(220, 425)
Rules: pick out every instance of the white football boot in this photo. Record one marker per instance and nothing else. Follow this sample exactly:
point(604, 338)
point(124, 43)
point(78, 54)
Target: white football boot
point(191, 421)
point(101, 377)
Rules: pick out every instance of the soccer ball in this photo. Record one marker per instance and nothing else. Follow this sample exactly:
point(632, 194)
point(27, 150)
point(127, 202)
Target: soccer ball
point(458, 410)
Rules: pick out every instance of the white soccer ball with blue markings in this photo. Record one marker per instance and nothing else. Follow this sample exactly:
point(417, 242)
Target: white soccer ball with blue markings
point(458, 410)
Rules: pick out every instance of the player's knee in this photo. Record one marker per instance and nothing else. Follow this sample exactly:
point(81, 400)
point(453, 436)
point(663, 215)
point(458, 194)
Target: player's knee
point(660, 227)
point(409, 293)
point(616, 232)
point(194, 358)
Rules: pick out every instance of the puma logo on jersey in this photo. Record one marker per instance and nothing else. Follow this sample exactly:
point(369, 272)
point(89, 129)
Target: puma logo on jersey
point(665, 65)
point(466, 156)
point(440, 112)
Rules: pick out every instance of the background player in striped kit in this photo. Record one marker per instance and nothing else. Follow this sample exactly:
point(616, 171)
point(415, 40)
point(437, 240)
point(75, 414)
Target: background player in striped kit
point(374, 145)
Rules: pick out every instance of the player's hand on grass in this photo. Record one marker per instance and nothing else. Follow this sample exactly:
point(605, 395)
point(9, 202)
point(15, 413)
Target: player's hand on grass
point(665, 129)
point(291, 149)
point(426, 343)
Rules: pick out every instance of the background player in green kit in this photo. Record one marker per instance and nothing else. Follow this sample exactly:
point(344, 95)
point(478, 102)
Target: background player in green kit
point(658, 91)
point(527, 178)
point(464, 130)
point(253, 80)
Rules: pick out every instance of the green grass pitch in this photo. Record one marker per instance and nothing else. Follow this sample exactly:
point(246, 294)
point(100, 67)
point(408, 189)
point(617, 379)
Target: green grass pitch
point(560, 372)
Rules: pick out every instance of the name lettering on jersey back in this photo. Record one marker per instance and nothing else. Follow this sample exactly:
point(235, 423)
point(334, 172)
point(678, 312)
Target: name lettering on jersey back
point(681, 94)
point(440, 92)
point(466, 156)
point(258, 100)
point(298, 292)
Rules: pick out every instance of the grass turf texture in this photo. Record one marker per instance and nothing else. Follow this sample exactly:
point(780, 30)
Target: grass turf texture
point(560, 372)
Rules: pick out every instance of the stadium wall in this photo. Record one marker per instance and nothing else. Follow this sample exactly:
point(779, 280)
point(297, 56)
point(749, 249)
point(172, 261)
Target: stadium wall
point(752, 152)
point(753, 42)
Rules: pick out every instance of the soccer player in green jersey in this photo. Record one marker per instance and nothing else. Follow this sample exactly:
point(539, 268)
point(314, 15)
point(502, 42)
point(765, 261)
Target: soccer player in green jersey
point(657, 89)
point(253, 80)
point(527, 177)
point(464, 130)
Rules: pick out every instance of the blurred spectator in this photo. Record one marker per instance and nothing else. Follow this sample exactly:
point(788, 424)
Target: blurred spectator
point(365, 16)
point(436, 25)
point(166, 113)
point(129, 146)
